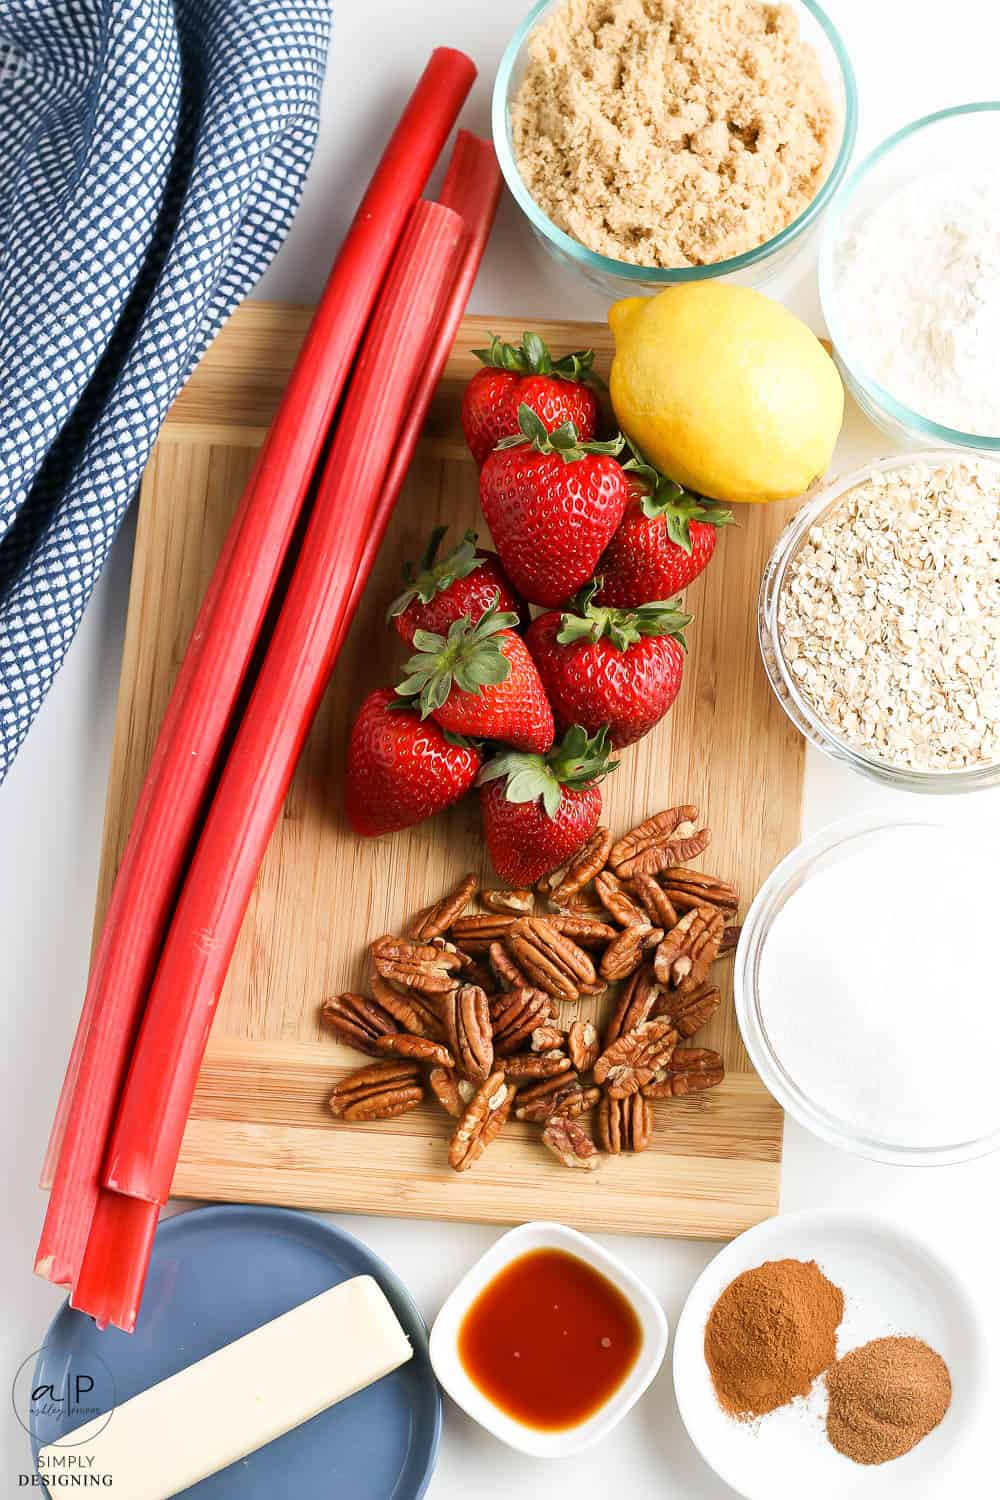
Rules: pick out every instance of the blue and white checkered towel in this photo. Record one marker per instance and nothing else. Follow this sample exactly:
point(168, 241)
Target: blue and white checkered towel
point(151, 156)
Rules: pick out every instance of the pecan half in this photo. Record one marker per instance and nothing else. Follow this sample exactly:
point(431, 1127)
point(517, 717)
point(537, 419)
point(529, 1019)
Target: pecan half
point(687, 1010)
point(477, 932)
point(635, 1004)
point(515, 1016)
point(579, 1102)
point(687, 888)
point(472, 971)
point(633, 1060)
point(552, 961)
point(517, 902)
point(624, 1124)
point(585, 931)
point(549, 1038)
point(437, 918)
point(570, 1143)
point(450, 1091)
point(357, 1021)
point(624, 955)
point(667, 838)
point(559, 1095)
point(506, 970)
point(588, 861)
point(688, 950)
point(654, 901)
point(616, 900)
point(689, 1071)
point(411, 1011)
point(730, 939)
point(419, 1048)
point(583, 904)
point(469, 1031)
point(482, 1121)
point(378, 1092)
point(536, 1065)
point(583, 1045)
point(418, 966)
point(599, 987)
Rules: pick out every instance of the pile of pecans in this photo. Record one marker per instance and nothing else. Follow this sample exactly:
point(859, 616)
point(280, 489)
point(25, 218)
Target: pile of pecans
point(467, 1005)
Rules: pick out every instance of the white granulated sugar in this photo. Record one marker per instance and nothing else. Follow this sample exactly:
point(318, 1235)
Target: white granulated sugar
point(918, 282)
point(889, 616)
point(879, 1000)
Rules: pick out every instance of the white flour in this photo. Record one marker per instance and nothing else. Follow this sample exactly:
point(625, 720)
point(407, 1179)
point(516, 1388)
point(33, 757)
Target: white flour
point(878, 989)
point(919, 287)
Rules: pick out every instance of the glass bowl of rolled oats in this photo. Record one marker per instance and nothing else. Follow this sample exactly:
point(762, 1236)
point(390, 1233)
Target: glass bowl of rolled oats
point(879, 621)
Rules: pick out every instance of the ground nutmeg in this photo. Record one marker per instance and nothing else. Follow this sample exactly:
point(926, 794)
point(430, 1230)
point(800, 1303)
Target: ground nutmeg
point(770, 1334)
point(885, 1397)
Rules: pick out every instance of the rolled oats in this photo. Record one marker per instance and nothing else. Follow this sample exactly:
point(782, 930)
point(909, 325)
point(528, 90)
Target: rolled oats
point(889, 616)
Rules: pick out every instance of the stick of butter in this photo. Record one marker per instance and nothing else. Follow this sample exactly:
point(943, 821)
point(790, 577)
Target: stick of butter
point(256, 1388)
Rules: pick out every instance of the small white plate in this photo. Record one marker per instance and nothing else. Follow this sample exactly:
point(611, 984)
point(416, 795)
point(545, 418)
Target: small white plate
point(892, 1284)
point(451, 1373)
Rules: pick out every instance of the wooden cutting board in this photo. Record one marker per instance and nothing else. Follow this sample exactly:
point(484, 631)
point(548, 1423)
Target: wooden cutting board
point(259, 1129)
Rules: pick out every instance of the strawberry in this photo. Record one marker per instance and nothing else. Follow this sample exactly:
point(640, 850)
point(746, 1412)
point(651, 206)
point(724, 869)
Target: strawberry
point(666, 538)
point(466, 582)
point(526, 372)
point(552, 503)
point(538, 809)
point(614, 667)
point(480, 680)
point(400, 770)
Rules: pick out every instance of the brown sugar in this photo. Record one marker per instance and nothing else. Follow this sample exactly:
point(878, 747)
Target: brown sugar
point(772, 1331)
point(672, 132)
point(884, 1398)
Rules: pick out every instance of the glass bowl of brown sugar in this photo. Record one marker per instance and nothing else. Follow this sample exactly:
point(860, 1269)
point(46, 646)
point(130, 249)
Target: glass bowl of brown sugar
point(617, 207)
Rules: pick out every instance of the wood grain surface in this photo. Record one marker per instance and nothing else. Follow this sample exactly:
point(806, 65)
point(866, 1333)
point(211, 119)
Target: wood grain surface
point(260, 1130)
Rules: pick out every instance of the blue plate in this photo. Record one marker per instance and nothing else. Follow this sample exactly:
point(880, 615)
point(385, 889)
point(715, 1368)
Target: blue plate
point(217, 1273)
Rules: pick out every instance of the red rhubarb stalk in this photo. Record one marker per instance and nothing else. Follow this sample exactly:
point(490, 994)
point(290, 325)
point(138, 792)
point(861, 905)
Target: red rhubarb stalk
point(307, 636)
point(110, 1284)
point(472, 188)
point(172, 799)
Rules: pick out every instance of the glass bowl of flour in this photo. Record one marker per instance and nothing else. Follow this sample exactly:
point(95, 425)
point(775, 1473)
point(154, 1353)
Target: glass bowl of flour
point(865, 990)
point(909, 275)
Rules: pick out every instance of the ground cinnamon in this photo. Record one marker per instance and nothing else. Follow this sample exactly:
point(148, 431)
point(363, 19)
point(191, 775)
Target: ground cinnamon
point(773, 1330)
point(885, 1397)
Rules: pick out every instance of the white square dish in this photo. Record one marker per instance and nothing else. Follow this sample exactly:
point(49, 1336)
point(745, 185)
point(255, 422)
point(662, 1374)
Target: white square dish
point(450, 1371)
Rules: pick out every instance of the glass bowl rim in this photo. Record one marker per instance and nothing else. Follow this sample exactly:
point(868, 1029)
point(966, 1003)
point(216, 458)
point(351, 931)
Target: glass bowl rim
point(792, 1098)
point(591, 261)
point(831, 301)
point(783, 684)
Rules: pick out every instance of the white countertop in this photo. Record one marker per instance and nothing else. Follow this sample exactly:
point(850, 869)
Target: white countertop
point(910, 58)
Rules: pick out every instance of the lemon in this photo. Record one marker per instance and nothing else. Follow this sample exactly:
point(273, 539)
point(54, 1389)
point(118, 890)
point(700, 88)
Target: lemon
point(725, 391)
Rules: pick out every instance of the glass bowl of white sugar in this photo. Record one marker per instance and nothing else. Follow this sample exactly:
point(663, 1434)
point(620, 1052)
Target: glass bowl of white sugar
point(909, 276)
point(879, 621)
point(864, 989)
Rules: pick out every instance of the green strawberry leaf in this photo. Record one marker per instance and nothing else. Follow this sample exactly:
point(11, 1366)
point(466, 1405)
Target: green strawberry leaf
point(581, 760)
point(578, 762)
point(433, 577)
point(663, 497)
point(471, 656)
point(532, 357)
point(564, 441)
point(587, 621)
point(532, 427)
point(536, 354)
